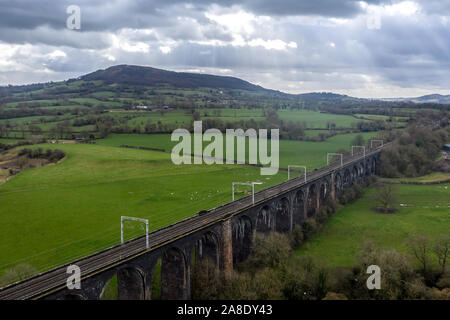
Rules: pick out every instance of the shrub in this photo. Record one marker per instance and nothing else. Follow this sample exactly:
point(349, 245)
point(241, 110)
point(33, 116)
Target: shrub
point(271, 251)
point(444, 280)
point(56, 155)
point(237, 287)
point(413, 152)
point(309, 227)
point(306, 280)
point(205, 280)
point(399, 279)
point(322, 215)
point(332, 207)
point(267, 285)
point(347, 196)
point(25, 152)
point(346, 281)
point(357, 190)
point(297, 236)
point(50, 155)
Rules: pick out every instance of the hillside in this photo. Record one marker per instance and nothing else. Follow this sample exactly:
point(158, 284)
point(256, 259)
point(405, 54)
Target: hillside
point(314, 96)
point(147, 76)
point(430, 98)
point(124, 86)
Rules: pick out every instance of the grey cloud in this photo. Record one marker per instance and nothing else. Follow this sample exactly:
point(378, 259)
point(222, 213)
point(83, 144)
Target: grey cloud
point(48, 36)
point(114, 14)
point(327, 8)
point(435, 6)
point(407, 52)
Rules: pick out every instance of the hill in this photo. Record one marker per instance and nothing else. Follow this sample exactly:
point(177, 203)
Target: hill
point(314, 96)
point(123, 86)
point(132, 78)
point(430, 98)
point(147, 76)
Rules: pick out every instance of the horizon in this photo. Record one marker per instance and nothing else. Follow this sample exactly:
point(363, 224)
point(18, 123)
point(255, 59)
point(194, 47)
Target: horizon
point(232, 76)
point(375, 49)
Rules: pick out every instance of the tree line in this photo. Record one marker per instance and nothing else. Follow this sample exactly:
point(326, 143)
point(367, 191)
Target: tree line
point(414, 150)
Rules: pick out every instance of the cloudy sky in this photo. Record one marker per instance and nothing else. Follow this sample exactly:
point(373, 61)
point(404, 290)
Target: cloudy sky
point(372, 48)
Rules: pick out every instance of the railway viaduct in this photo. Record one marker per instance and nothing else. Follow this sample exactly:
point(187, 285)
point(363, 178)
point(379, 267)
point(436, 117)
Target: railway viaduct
point(223, 234)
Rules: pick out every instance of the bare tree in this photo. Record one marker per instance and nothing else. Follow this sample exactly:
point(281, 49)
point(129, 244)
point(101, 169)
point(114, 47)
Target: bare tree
point(196, 116)
point(272, 118)
point(21, 162)
point(272, 250)
point(4, 130)
point(442, 250)
point(385, 197)
point(358, 140)
point(205, 279)
point(35, 130)
point(420, 246)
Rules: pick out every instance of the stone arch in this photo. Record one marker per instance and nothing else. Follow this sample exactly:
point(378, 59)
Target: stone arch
point(131, 284)
point(208, 247)
point(242, 239)
point(312, 205)
point(355, 174)
point(338, 184)
point(127, 284)
point(282, 216)
point(347, 180)
point(324, 191)
point(205, 262)
point(373, 166)
point(360, 169)
point(173, 275)
point(367, 167)
point(299, 207)
point(264, 220)
point(156, 280)
point(363, 170)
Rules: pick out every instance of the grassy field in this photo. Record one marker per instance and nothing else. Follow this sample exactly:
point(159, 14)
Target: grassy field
point(315, 119)
point(312, 119)
point(8, 140)
point(435, 177)
point(380, 117)
point(311, 154)
point(52, 214)
point(73, 208)
point(425, 210)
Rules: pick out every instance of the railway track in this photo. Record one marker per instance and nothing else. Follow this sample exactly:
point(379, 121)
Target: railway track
point(55, 279)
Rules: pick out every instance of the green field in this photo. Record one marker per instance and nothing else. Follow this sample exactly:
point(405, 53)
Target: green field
point(425, 210)
point(314, 119)
point(73, 208)
point(311, 154)
point(381, 117)
point(34, 119)
point(53, 214)
point(435, 177)
point(8, 140)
